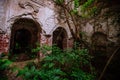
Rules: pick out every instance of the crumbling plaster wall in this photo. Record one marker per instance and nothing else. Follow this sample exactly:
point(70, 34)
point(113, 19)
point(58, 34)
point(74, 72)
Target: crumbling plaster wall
point(42, 11)
point(3, 36)
point(103, 25)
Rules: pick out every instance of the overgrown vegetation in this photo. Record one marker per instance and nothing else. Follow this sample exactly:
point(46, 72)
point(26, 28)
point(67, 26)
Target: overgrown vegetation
point(4, 66)
point(72, 12)
point(60, 65)
point(20, 53)
point(72, 64)
point(77, 13)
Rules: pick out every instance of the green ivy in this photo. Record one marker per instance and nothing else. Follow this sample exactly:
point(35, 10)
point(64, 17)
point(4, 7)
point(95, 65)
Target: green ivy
point(87, 4)
point(76, 3)
point(4, 64)
point(59, 1)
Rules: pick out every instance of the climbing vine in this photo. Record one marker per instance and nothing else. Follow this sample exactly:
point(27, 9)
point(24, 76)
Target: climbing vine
point(73, 11)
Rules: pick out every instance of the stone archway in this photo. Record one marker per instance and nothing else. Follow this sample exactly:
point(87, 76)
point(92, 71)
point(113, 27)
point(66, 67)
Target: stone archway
point(60, 38)
point(25, 33)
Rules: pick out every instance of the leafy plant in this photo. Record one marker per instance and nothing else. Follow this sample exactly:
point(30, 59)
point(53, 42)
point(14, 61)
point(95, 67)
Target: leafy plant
point(4, 65)
point(29, 73)
point(60, 65)
point(76, 3)
point(87, 4)
point(59, 1)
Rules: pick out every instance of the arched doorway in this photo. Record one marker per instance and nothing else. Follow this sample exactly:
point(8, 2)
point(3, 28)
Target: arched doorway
point(99, 50)
point(99, 42)
point(22, 41)
point(60, 38)
point(24, 36)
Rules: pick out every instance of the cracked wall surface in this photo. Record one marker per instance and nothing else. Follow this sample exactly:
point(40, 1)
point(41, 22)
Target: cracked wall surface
point(41, 11)
point(45, 13)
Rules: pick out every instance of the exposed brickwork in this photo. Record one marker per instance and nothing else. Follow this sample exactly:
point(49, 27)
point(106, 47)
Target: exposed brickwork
point(4, 43)
point(70, 43)
point(13, 10)
point(64, 43)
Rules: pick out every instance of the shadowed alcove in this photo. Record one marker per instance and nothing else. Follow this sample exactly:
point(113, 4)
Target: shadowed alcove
point(22, 40)
point(60, 38)
point(24, 36)
point(99, 48)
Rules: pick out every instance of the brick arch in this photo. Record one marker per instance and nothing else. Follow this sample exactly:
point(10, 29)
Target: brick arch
point(25, 33)
point(60, 38)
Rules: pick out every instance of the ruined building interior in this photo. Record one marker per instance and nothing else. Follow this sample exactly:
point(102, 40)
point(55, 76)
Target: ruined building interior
point(27, 22)
point(30, 22)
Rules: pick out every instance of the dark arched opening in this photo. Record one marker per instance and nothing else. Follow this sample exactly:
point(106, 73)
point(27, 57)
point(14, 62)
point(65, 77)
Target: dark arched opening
point(113, 69)
point(99, 42)
point(25, 33)
point(22, 40)
point(60, 38)
point(99, 50)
